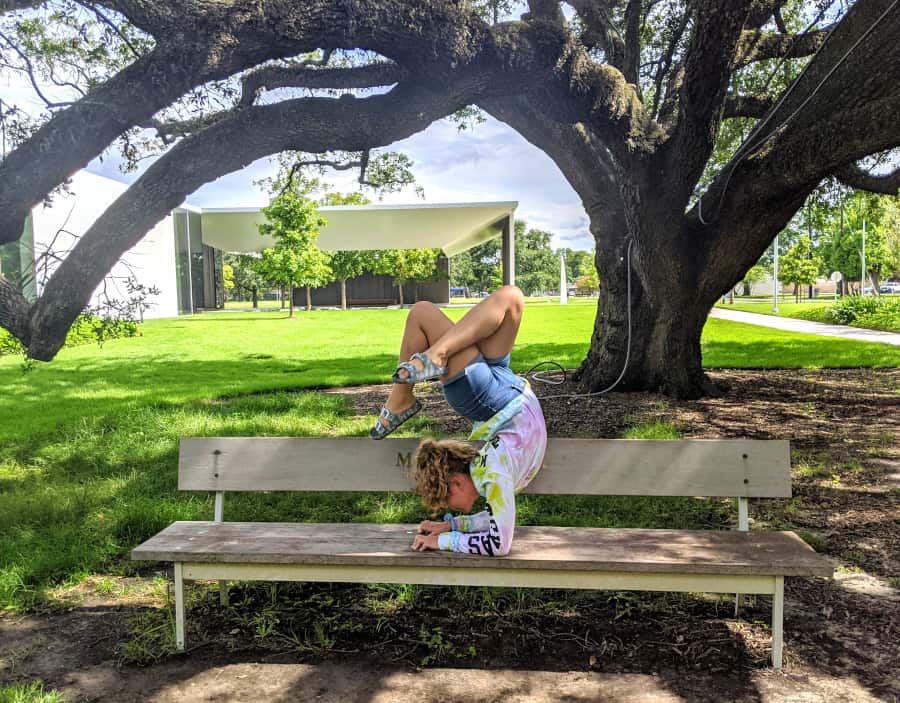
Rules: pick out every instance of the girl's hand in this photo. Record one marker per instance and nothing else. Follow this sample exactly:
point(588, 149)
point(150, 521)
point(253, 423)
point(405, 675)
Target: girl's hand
point(429, 527)
point(422, 543)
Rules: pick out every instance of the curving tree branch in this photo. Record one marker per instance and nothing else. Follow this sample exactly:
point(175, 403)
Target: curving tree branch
point(545, 10)
point(632, 58)
point(760, 46)
point(707, 73)
point(856, 177)
point(601, 30)
point(747, 105)
point(13, 5)
point(313, 125)
point(271, 77)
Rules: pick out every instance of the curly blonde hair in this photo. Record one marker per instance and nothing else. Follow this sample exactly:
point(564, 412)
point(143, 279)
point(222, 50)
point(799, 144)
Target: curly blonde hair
point(435, 460)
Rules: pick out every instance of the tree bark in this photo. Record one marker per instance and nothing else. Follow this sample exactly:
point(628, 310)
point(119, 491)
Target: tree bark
point(308, 299)
point(638, 334)
point(343, 294)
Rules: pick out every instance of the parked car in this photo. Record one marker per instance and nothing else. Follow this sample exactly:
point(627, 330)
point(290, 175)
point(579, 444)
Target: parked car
point(889, 287)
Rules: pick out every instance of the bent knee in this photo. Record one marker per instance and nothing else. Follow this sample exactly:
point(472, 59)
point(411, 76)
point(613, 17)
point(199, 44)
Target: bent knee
point(422, 308)
point(513, 295)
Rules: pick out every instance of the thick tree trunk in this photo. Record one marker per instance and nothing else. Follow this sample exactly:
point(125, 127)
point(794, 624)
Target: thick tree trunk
point(255, 298)
point(343, 294)
point(648, 338)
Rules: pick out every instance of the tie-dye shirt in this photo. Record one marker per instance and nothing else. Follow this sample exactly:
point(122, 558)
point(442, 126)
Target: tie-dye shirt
point(509, 461)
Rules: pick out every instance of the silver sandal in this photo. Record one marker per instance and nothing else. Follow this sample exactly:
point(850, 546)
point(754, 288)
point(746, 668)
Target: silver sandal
point(429, 371)
point(394, 420)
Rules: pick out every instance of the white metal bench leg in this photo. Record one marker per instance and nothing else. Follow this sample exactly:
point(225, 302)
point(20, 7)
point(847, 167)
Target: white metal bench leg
point(179, 608)
point(743, 526)
point(777, 622)
point(223, 592)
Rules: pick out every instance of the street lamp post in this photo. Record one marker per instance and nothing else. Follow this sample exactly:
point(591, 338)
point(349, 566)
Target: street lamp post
point(563, 281)
point(775, 279)
point(862, 281)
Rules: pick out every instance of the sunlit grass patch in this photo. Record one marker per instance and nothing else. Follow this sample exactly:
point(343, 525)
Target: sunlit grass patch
point(33, 692)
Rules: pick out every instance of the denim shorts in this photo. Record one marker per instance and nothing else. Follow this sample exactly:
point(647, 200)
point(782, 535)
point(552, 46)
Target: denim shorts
point(483, 388)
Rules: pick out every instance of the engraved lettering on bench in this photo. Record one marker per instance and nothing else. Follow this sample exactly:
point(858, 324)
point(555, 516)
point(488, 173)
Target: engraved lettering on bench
point(404, 460)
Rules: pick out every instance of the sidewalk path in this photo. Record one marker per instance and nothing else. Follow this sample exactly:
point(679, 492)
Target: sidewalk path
point(807, 326)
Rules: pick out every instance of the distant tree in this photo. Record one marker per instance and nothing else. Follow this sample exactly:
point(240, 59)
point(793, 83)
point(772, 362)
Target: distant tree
point(755, 274)
point(486, 267)
point(247, 278)
point(406, 265)
point(228, 277)
point(462, 272)
point(799, 265)
point(843, 245)
point(891, 225)
point(537, 267)
point(295, 261)
point(588, 283)
point(578, 263)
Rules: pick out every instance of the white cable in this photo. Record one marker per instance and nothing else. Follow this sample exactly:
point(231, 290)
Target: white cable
point(628, 346)
point(833, 69)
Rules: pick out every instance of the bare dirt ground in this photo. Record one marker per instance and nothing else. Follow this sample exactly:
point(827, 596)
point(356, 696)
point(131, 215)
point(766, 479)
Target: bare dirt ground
point(842, 637)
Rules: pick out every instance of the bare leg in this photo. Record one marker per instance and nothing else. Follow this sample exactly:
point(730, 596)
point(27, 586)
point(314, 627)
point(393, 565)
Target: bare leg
point(425, 324)
point(489, 328)
point(492, 326)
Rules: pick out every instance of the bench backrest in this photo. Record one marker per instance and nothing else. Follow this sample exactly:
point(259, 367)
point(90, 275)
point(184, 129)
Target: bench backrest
point(692, 467)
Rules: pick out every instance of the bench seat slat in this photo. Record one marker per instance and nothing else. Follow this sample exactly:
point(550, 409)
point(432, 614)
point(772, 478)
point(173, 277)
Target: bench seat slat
point(545, 548)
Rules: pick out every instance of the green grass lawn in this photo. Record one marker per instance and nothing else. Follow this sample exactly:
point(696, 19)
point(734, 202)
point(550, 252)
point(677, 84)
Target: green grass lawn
point(88, 443)
point(785, 309)
point(817, 312)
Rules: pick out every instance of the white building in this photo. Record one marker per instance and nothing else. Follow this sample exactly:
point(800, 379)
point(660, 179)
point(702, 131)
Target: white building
point(182, 255)
point(53, 229)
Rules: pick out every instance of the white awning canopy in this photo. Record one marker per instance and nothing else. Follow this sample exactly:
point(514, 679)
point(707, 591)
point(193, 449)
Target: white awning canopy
point(452, 227)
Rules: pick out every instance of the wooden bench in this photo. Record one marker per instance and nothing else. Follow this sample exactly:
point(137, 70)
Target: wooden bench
point(737, 561)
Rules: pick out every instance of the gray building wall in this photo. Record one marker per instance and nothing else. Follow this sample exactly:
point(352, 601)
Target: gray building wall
point(17, 261)
point(371, 287)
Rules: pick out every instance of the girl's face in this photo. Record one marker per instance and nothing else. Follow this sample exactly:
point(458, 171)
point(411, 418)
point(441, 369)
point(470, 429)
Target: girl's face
point(462, 494)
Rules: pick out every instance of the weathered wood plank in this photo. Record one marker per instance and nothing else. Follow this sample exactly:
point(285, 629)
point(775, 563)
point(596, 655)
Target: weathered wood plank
point(595, 549)
point(698, 467)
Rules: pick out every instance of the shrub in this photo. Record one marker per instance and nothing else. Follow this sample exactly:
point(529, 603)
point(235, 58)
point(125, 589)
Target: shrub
point(87, 329)
point(816, 314)
point(887, 319)
point(847, 309)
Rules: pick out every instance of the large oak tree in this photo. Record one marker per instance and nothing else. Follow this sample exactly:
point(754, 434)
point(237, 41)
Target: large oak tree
point(626, 96)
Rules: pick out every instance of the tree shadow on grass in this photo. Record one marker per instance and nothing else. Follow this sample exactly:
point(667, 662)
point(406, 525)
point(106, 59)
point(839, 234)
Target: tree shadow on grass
point(47, 400)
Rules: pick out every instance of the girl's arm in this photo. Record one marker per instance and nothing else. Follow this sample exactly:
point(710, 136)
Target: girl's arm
point(498, 523)
point(479, 522)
